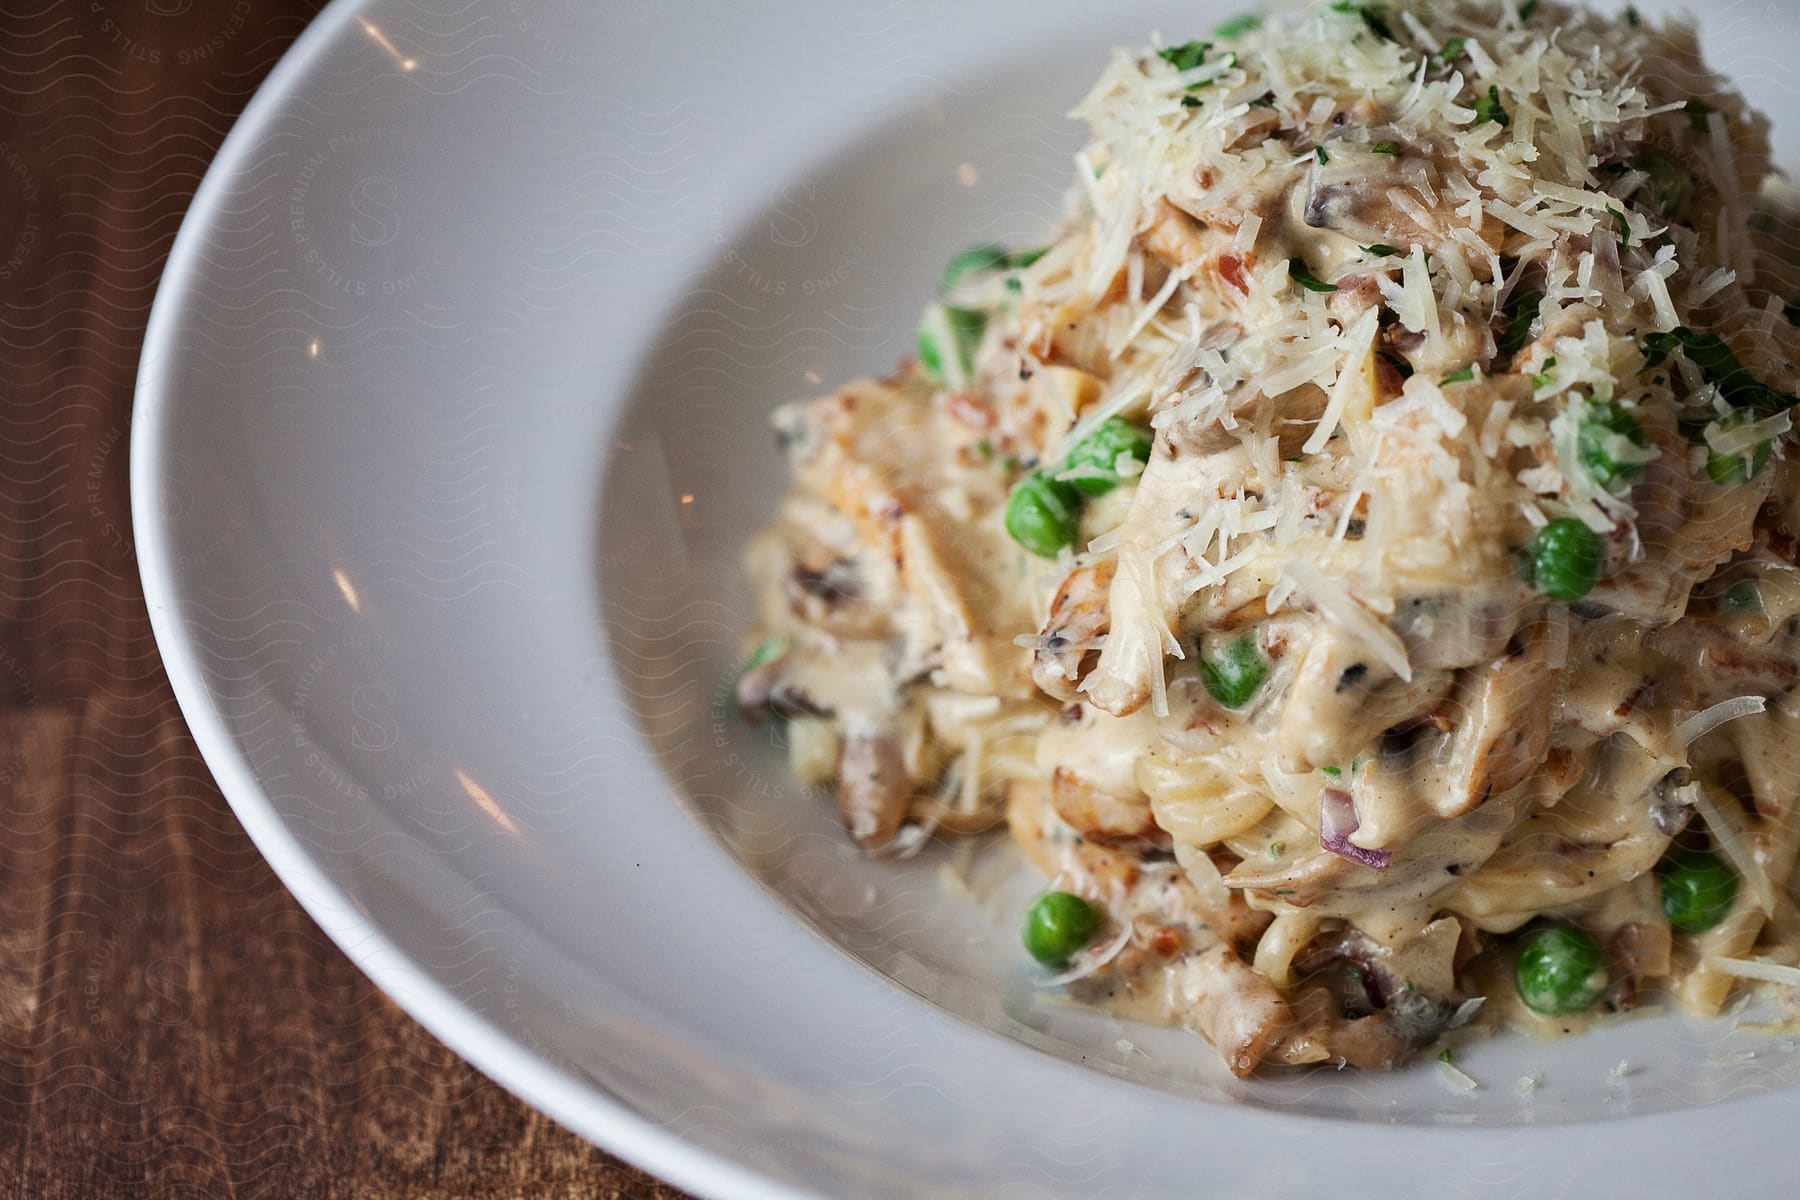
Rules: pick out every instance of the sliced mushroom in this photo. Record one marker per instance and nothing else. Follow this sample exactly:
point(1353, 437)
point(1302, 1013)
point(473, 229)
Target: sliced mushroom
point(828, 592)
point(873, 789)
point(768, 688)
point(1374, 1042)
point(1503, 713)
point(1373, 198)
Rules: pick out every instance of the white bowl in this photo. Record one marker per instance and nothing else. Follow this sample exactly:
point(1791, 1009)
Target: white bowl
point(451, 424)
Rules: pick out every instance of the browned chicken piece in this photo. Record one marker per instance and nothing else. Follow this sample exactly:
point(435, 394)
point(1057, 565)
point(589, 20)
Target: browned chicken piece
point(1103, 817)
point(1174, 237)
point(1236, 1009)
point(872, 451)
point(1108, 876)
point(1079, 616)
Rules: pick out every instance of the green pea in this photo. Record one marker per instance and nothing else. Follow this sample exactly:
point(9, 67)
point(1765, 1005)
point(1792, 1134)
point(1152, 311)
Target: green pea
point(1101, 449)
point(1234, 676)
point(1560, 971)
point(1597, 448)
point(1743, 597)
point(1698, 890)
point(1667, 187)
point(1057, 925)
point(1565, 559)
point(1043, 515)
point(1730, 470)
point(973, 261)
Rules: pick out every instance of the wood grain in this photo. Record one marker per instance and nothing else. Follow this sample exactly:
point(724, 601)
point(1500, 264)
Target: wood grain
point(171, 1024)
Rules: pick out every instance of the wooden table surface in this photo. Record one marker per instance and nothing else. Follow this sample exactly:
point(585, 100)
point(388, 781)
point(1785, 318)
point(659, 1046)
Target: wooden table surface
point(171, 1023)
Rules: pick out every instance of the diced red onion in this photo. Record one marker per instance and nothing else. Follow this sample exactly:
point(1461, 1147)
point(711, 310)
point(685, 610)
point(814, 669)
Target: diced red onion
point(1337, 821)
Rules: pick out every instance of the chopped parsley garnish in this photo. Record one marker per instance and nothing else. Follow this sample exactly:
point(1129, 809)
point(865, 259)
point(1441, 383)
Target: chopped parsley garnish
point(1385, 148)
point(1520, 311)
point(1624, 226)
point(767, 651)
point(1697, 111)
point(1452, 50)
point(1381, 250)
point(1466, 375)
point(1489, 108)
point(1444, 1054)
point(1191, 102)
point(1373, 15)
point(1719, 365)
point(1024, 258)
point(975, 260)
point(1186, 56)
point(1239, 26)
point(1333, 772)
point(1306, 279)
point(1277, 849)
point(1541, 380)
point(1633, 18)
point(1323, 157)
point(1526, 9)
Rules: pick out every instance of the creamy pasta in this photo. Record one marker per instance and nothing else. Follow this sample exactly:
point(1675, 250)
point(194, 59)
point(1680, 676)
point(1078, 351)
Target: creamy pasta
point(1356, 556)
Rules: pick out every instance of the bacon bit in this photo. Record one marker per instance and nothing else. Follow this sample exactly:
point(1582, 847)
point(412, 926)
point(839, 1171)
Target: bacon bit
point(1231, 270)
point(1387, 378)
point(1164, 941)
point(965, 408)
point(1785, 547)
point(1629, 704)
point(1558, 766)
